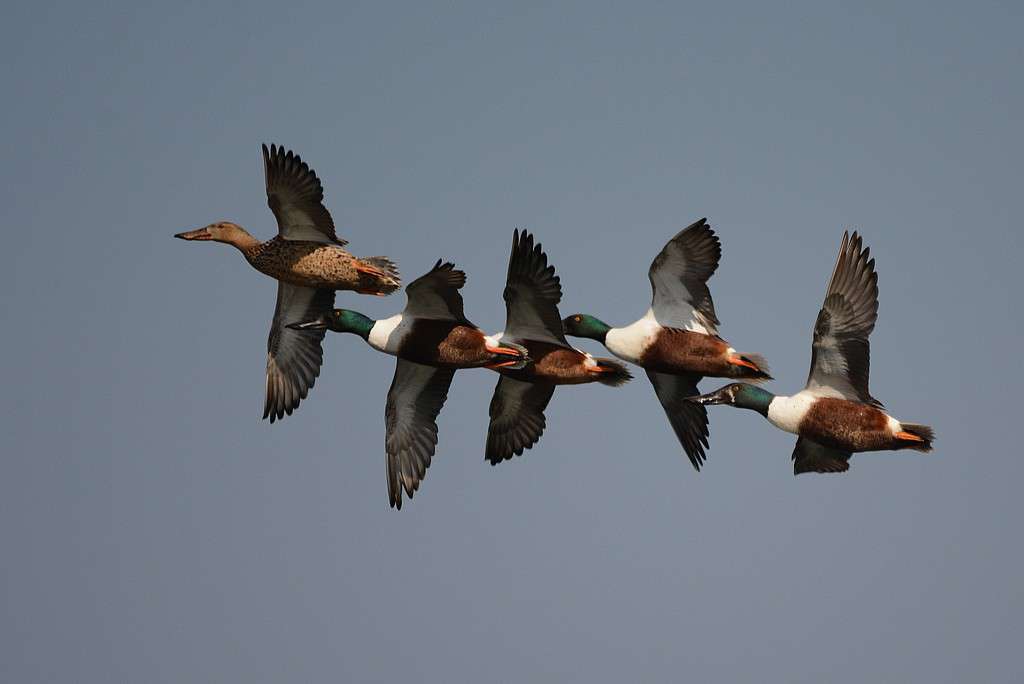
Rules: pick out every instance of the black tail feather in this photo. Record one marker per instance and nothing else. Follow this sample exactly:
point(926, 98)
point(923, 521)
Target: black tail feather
point(922, 431)
point(612, 372)
point(762, 372)
point(522, 358)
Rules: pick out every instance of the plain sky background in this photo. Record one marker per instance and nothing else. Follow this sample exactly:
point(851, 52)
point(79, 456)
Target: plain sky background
point(154, 529)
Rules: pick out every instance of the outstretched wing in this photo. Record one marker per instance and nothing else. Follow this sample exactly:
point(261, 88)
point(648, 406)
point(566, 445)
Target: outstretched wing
point(811, 457)
point(840, 353)
point(416, 396)
point(294, 356)
point(517, 417)
point(436, 294)
point(689, 419)
point(296, 197)
point(679, 276)
point(532, 293)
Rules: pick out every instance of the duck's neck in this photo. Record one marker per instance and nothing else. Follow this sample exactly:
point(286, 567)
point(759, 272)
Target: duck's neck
point(355, 323)
point(594, 329)
point(244, 243)
point(754, 398)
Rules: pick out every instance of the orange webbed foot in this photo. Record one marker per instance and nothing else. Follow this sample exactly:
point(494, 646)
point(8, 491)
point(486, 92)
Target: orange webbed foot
point(504, 351)
point(372, 271)
point(906, 436)
point(740, 361)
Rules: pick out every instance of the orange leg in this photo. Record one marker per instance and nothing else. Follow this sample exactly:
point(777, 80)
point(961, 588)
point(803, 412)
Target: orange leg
point(737, 361)
point(504, 351)
point(368, 270)
point(906, 436)
point(502, 364)
point(364, 269)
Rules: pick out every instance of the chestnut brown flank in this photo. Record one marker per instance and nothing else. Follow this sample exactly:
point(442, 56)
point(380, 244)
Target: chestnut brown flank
point(675, 351)
point(553, 363)
point(446, 344)
point(848, 425)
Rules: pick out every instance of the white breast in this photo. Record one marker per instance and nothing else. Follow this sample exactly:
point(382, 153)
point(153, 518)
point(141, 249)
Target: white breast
point(387, 334)
point(786, 413)
point(630, 343)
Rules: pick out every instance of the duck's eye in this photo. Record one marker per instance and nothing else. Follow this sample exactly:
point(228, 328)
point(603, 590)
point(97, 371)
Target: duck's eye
point(578, 319)
point(337, 314)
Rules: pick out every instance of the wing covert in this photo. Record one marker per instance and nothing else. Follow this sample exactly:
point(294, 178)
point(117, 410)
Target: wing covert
point(296, 196)
point(517, 417)
point(435, 294)
point(811, 457)
point(532, 293)
point(294, 357)
point(416, 396)
point(679, 275)
point(840, 351)
point(689, 419)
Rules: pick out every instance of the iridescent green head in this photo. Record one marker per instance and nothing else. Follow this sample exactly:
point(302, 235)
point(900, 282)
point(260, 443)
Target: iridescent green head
point(584, 325)
point(740, 395)
point(338, 320)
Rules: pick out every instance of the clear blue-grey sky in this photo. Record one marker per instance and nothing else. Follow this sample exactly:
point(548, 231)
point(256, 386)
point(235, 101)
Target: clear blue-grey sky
point(155, 530)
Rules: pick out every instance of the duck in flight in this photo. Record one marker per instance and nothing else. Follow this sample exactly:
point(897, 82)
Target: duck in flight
point(677, 340)
point(432, 338)
point(532, 293)
point(834, 415)
point(309, 262)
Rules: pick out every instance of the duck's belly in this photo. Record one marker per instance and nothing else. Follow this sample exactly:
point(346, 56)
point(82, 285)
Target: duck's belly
point(848, 425)
point(554, 364)
point(309, 264)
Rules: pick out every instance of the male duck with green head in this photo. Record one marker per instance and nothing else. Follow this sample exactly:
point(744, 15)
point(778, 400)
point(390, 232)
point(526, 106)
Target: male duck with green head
point(432, 338)
point(677, 340)
point(834, 415)
point(532, 293)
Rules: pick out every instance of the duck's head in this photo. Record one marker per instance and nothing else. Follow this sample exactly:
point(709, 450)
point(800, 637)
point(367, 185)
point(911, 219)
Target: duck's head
point(338, 320)
point(223, 231)
point(584, 325)
point(740, 395)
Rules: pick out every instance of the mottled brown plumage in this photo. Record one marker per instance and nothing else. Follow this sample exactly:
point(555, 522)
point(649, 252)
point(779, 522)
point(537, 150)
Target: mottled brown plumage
point(313, 264)
point(308, 260)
